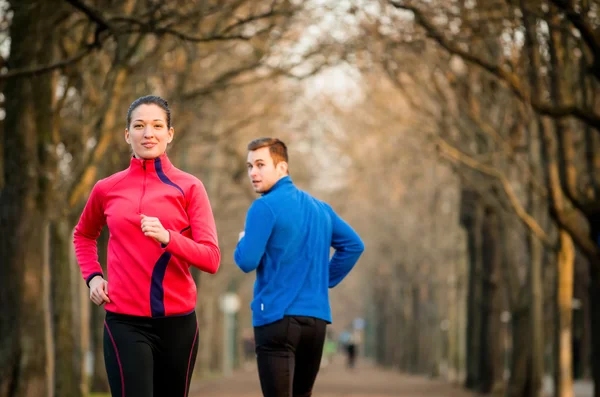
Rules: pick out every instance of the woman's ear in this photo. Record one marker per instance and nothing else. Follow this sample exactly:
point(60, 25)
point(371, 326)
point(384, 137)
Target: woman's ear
point(127, 136)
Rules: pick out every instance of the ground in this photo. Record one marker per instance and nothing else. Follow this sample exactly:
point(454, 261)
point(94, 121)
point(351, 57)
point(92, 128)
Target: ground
point(337, 381)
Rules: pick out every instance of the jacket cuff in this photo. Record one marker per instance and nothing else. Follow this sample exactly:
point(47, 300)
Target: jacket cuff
point(91, 276)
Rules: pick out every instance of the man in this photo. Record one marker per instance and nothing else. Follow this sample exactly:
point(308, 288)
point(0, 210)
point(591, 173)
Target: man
point(287, 240)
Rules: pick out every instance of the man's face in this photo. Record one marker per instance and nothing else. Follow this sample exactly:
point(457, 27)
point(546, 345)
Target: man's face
point(262, 171)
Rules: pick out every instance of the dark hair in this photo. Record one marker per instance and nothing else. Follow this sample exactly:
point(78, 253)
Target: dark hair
point(277, 148)
point(150, 100)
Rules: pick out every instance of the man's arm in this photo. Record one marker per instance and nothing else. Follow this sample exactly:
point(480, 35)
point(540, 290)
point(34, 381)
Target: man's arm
point(348, 248)
point(251, 247)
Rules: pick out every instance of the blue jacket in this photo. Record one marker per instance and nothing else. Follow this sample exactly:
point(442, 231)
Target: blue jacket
point(288, 237)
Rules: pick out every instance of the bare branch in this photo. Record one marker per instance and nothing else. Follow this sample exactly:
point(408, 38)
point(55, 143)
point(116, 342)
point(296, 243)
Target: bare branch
point(252, 18)
point(589, 116)
point(456, 155)
point(220, 82)
point(93, 15)
point(587, 32)
point(37, 70)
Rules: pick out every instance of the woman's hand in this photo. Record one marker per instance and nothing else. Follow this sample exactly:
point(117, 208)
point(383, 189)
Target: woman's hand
point(152, 227)
point(99, 290)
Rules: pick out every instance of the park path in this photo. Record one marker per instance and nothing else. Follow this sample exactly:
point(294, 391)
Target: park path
point(365, 380)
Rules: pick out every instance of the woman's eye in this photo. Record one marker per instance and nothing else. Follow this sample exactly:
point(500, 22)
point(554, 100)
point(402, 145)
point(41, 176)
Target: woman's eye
point(158, 126)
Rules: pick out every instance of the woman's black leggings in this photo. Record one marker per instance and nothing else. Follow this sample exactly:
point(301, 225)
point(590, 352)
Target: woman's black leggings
point(150, 357)
point(289, 353)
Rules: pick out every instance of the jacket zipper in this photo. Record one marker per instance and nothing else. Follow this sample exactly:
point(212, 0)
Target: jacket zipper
point(143, 187)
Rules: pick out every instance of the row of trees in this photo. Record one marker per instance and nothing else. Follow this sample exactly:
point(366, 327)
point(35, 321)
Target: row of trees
point(72, 69)
point(506, 91)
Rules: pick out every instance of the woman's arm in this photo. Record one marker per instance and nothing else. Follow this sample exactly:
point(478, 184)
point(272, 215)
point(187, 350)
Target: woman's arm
point(87, 232)
point(202, 250)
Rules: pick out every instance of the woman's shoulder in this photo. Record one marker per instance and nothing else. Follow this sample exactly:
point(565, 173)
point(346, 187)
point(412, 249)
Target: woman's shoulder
point(188, 182)
point(107, 183)
point(184, 177)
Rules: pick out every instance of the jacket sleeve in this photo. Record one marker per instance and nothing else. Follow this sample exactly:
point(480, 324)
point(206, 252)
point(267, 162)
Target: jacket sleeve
point(86, 233)
point(259, 226)
point(348, 248)
point(202, 250)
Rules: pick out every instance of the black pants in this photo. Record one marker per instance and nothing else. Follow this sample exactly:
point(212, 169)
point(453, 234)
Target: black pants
point(150, 357)
point(289, 353)
point(351, 351)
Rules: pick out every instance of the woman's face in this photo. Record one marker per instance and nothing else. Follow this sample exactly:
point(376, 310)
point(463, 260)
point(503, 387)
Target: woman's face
point(148, 133)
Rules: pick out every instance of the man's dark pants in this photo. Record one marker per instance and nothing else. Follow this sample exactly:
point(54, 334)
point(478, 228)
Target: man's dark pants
point(288, 354)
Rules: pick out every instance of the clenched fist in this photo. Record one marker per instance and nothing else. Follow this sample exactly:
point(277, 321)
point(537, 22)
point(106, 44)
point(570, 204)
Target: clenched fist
point(99, 290)
point(152, 227)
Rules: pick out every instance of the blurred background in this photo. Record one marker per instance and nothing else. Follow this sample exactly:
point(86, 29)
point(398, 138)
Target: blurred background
point(459, 138)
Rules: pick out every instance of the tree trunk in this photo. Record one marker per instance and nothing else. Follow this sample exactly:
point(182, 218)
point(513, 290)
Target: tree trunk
point(595, 325)
point(594, 298)
point(462, 325)
point(521, 353)
point(452, 346)
point(586, 338)
point(536, 312)
point(69, 381)
point(538, 207)
point(416, 330)
point(563, 386)
point(491, 363)
point(207, 321)
point(472, 219)
point(395, 324)
point(26, 357)
point(380, 324)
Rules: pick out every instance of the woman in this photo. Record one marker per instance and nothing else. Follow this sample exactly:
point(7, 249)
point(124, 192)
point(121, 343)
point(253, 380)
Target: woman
point(160, 223)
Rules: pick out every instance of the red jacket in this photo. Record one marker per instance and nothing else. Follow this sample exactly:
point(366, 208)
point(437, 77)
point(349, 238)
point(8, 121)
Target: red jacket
point(146, 278)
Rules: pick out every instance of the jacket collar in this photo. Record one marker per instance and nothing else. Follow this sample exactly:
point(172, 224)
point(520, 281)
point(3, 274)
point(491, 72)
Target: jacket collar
point(285, 181)
point(160, 164)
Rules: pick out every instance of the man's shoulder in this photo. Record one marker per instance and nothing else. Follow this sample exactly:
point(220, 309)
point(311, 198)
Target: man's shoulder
point(263, 203)
point(316, 201)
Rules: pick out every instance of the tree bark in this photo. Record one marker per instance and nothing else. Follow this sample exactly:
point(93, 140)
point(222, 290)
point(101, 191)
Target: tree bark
point(69, 379)
point(472, 218)
point(491, 337)
point(521, 353)
point(563, 381)
point(594, 298)
point(26, 356)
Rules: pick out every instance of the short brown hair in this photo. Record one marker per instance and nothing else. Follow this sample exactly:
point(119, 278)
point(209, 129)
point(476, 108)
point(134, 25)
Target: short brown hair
point(277, 148)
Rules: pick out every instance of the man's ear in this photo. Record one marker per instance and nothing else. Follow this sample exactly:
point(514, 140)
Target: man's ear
point(127, 136)
point(283, 167)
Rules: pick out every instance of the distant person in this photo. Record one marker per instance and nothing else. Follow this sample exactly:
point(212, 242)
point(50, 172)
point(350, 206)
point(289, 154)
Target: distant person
point(351, 349)
point(160, 223)
point(287, 240)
